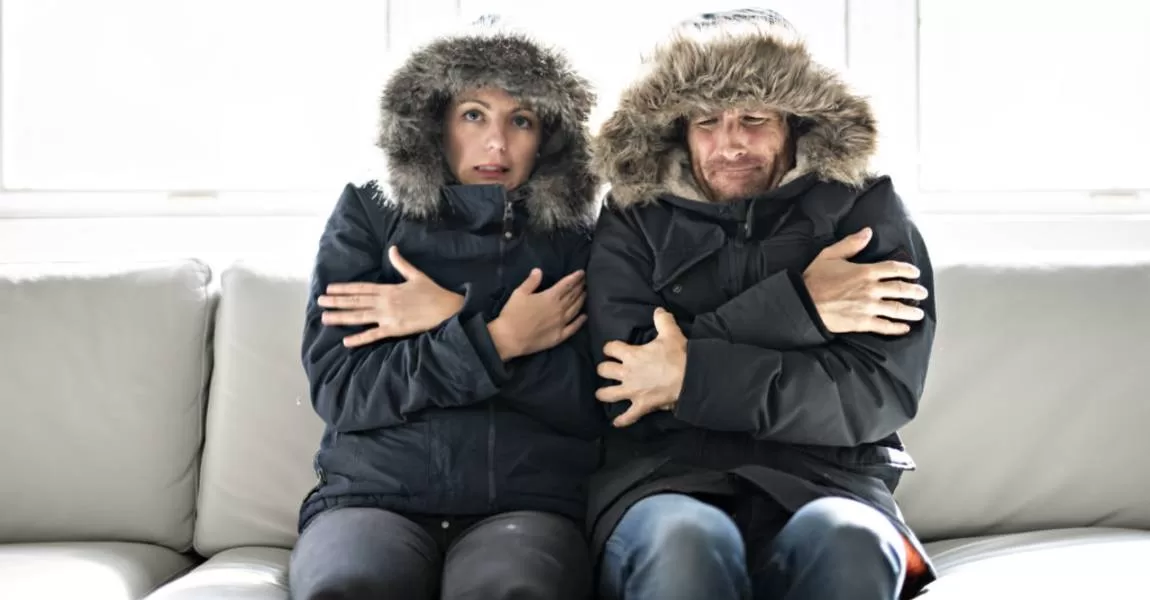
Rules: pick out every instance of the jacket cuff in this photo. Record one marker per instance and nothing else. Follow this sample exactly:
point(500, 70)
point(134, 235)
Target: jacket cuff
point(472, 325)
point(691, 405)
point(808, 305)
point(475, 328)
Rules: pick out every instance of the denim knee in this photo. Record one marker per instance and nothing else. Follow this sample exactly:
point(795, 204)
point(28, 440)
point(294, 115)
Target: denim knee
point(686, 529)
point(848, 534)
point(674, 546)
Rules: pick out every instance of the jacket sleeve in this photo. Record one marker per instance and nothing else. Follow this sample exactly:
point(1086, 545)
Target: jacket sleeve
point(557, 386)
point(775, 313)
point(384, 383)
point(856, 389)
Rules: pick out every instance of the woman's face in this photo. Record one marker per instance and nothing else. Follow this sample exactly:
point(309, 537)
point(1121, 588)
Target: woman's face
point(491, 138)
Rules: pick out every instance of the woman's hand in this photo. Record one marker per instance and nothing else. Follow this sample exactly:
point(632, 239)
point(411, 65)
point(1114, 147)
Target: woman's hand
point(400, 309)
point(532, 322)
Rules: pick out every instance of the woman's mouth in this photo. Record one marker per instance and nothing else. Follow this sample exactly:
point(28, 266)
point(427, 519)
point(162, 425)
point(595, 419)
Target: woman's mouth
point(491, 171)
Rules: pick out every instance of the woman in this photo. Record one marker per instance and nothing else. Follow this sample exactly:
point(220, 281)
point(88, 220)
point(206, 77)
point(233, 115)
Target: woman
point(443, 341)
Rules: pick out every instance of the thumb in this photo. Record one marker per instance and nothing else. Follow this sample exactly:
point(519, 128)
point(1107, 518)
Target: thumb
point(848, 246)
point(406, 269)
point(532, 282)
point(665, 323)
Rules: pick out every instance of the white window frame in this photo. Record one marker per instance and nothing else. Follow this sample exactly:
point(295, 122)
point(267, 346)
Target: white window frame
point(883, 53)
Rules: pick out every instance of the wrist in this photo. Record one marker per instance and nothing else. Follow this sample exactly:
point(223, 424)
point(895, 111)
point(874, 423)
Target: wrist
point(504, 342)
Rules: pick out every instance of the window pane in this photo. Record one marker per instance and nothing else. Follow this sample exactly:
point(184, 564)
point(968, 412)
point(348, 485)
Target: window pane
point(1023, 95)
point(183, 94)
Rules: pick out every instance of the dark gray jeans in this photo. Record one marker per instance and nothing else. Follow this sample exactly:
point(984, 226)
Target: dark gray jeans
point(372, 553)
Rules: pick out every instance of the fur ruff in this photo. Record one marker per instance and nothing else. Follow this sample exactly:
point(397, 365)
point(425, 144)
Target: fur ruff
point(641, 149)
point(561, 191)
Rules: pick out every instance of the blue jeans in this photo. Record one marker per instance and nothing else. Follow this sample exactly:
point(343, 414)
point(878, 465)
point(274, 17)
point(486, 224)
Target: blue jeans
point(671, 546)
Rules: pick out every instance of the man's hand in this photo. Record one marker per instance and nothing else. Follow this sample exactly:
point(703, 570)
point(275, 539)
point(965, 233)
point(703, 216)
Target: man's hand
point(650, 376)
point(857, 298)
point(414, 306)
point(531, 322)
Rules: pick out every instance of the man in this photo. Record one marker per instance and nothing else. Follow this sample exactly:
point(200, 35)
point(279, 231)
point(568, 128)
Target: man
point(763, 315)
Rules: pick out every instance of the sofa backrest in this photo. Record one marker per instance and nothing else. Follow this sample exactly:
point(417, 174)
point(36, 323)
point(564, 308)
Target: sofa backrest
point(1036, 409)
point(102, 378)
point(1033, 417)
point(262, 432)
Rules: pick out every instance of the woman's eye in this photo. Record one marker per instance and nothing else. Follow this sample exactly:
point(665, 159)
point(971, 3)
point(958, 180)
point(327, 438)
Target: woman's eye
point(521, 122)
point(706, 122)
point(752, 120)
point(472, 115)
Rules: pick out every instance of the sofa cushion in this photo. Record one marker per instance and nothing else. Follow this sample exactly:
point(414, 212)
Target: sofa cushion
point(262, 432)
point(97, 570)
point(237, 574)
point(102, 377)
point(1035, 410)
point(1066, 563)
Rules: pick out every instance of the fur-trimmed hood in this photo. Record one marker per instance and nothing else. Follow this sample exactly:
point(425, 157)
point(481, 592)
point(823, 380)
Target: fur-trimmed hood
point(721, 60)
point(560, 193)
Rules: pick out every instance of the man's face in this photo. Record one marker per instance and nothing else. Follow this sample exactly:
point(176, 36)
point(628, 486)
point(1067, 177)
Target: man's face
point(738, 153)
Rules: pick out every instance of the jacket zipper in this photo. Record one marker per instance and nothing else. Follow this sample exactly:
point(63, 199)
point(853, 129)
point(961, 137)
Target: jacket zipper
point(748, 225)
point(508, 234)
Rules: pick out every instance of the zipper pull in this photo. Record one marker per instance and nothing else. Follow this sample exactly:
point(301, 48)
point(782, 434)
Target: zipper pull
point(508, 219)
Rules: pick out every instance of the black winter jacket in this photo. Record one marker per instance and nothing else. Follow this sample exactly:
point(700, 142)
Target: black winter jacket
point(770, 399)
point(436, 423)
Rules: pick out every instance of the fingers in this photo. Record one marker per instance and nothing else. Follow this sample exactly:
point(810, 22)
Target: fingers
point(885, 327)
point(569, 284)
point(612, 394)
point(900, 290)
point(347, 317)
point(364, 338)
point(406, 269)
point(348, 301)
point(574, 306)
point(360, 288)
point(631, 416)
point(530, 284)
point(893, 309)
point(893, 269)
point(848, 246)
point(610, 369)
point(569, 289)
point(572, 327)
point(619, 351)
point(665, 323)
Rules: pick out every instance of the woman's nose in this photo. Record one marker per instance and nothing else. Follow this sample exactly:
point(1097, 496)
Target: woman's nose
point(496, 140)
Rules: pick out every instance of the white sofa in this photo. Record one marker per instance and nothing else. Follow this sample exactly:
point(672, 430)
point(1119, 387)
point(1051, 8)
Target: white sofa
point(156, 436)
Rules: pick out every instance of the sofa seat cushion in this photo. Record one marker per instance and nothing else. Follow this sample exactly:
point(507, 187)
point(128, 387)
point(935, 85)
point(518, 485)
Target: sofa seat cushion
point(250, 573)
point(90, 570)
point(1057, 563)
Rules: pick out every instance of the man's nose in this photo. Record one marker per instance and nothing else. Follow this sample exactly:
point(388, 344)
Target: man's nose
point(731, 141)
